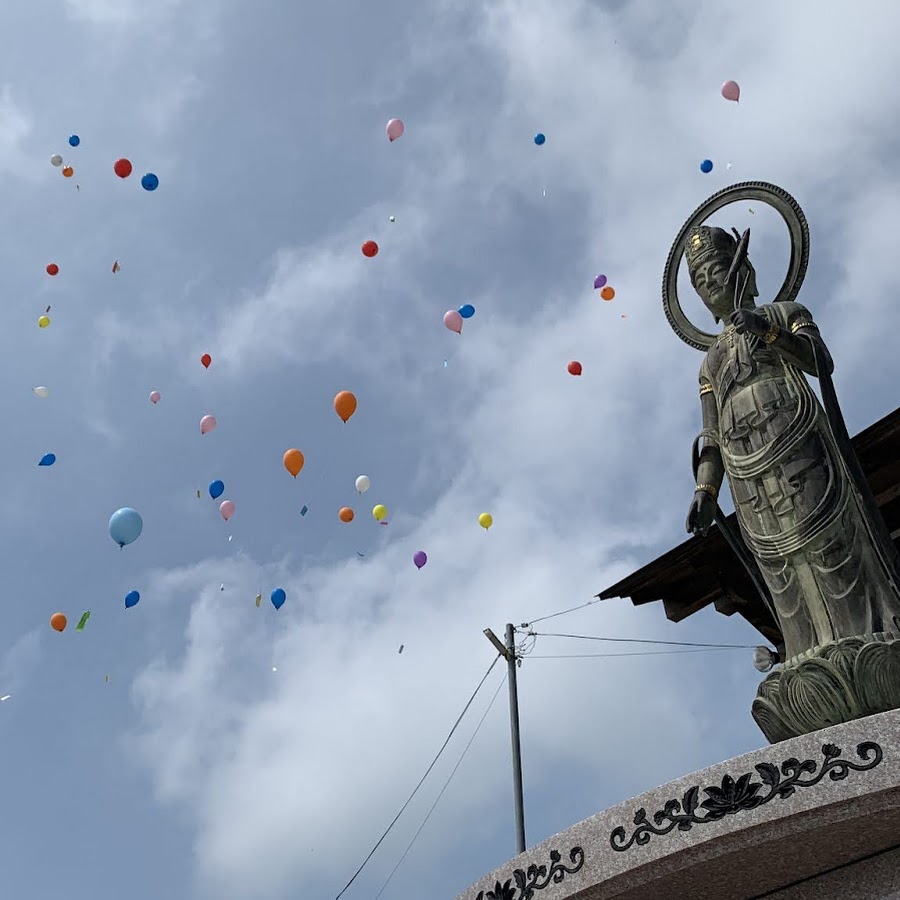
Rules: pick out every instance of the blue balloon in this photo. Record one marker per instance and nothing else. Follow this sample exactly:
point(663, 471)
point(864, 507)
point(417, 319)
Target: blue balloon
point(216, 489)
point(131, 599)
point(149, 182)
point(125, 526)
point(278, 598)
point(706, 166)
point(539, 139)
point(74, 140)
point(47, 459)
point(466, 310)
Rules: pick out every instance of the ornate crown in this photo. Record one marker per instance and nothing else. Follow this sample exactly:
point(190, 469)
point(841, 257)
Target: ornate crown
point(704, 242)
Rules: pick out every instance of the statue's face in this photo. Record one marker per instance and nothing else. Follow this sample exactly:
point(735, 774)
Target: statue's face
point(709, 282)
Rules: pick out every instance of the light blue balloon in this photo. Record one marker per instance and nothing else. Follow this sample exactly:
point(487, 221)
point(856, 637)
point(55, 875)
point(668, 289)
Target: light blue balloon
point(131, 599)
point(278, 598)
point(47, 459)
point(125, 526)
point(216, 489)
point(466, 310)
point(74, 140)
point(149, 182)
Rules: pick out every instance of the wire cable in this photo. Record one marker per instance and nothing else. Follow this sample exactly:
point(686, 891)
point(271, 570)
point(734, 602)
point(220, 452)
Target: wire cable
point(444, 788)
point(634, 653)
point(422, 780)
point(591, 637)
point(590, 602)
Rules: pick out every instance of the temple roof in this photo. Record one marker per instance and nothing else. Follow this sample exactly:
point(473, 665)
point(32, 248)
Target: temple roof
point(704, 570)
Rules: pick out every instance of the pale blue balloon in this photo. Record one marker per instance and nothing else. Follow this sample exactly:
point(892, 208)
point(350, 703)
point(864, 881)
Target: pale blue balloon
point(278, 597)
point(125, 525)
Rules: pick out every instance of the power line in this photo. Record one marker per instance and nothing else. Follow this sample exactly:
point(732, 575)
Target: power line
point(635, 653)
point(590, 637)
point(444, 788)
point(563, 612)
point(421, 782)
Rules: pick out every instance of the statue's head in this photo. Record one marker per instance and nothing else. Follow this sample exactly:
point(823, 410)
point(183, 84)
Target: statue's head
point(710, 253)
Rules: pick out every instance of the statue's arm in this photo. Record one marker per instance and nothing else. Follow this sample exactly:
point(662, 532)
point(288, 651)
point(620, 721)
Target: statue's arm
point(795, 344)
point(711, 470)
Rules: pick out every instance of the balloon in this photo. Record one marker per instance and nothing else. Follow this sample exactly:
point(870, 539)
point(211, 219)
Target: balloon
point(278, 597)
point(122, 168)
point(132, 598)
point(394, 129)
point(607, 293)
point(83, 621)
point(74, 140)
point(485, 520)
point(68, 171)
point(345, 405)
point(226, 508)
point(150, 182)
point(154, 396)
point(293, 462)
point(43, 321)
point(58, 622)
point(216, 489)
point(47, 459)
point(370, 248)
point(40, 391)
point(466, 310)
point(599, 281)
point(540, 138)
point(125, 526)
point(206, 359)
point(391, 219)
point(207, 424)
point(574, 367)
point(346, 514)
point(52, 269)
point(363, 483)
point(56, 160)
point(453, 320)
point(731, 91)
point(379, 512)
point(420, 557)
point(706, 166)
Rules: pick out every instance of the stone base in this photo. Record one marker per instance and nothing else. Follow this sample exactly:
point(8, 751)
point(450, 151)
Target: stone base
point(837, 682)
point(815, 817)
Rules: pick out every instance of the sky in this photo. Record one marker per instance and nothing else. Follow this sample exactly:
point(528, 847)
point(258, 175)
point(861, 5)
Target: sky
point(237, 751)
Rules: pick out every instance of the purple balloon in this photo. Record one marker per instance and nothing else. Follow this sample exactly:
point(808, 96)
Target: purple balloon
point(420, 558)
point(599, 281)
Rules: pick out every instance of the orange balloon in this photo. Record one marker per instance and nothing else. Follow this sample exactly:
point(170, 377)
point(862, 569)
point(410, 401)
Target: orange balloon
point(346, 514)
point(293, 462)
point(607, 293)
point(58, 621)
point(345, 405)
point(68, 172)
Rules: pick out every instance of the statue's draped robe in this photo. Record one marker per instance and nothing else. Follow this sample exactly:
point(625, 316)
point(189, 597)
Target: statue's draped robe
point(799, 510)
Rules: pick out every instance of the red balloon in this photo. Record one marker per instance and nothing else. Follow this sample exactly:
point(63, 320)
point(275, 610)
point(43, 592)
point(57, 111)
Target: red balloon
point(122, 167)
point(574, 367)
point(369, 248)
point(206, 359)
point(52, 269)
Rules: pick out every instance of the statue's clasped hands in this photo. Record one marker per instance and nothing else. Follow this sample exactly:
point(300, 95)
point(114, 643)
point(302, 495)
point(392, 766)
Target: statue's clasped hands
point(745, 320)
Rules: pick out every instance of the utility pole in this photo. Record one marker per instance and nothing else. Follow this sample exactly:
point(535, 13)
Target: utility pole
point(508, 651)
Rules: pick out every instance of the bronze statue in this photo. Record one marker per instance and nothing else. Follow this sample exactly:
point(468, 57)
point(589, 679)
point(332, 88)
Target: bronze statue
point(810, 533)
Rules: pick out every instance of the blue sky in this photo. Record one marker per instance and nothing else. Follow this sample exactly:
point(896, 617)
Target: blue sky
point(197, 771)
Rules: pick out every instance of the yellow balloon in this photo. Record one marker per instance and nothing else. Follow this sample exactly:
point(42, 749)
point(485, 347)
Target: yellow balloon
point(485, 520)
point(43, 321)
point(379, 512)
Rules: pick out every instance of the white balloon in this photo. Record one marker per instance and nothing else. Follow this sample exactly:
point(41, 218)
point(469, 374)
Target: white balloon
point(56, 160)
point(363, 484)
point(41, 391)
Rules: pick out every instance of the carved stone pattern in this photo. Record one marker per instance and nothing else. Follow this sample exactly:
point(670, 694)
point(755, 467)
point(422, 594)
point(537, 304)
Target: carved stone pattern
point(535, 878)
point(742, 794)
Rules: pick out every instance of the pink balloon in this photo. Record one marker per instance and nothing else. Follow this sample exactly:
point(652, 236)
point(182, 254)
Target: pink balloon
point(394, 129)
point(453, 320)
point(731, 91)
point(154, 396)
point(226, 507)
point(207, 423)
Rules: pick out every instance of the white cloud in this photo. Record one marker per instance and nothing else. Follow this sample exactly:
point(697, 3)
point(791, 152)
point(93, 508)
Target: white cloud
point(15, 127)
